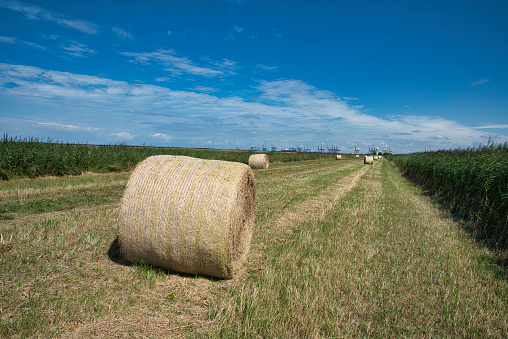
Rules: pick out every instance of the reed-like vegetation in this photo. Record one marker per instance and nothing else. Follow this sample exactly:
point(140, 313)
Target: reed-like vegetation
point(32, 157)
point(472, 182)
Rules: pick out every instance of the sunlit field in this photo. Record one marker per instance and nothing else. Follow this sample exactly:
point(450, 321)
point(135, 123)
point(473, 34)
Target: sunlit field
point(340, 249)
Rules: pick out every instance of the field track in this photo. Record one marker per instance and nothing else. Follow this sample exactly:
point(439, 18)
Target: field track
point(340, 249)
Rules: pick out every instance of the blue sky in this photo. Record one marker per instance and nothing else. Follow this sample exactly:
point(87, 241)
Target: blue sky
point(227, 74)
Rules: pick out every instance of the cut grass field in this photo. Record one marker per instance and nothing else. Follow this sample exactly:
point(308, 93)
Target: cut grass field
point(340, 249)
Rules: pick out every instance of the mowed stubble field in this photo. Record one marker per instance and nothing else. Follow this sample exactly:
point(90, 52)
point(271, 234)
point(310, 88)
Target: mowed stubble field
point(340, 249)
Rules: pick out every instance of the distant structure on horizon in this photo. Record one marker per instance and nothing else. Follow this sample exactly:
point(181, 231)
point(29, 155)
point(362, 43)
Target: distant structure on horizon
point(386, 148)
point(333, 149)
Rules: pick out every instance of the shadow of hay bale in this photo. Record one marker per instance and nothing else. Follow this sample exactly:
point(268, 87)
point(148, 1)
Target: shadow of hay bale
point(115, 254)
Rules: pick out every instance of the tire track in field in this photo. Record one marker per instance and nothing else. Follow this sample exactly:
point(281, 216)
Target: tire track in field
point(314, 208)
point(58, 213)
point(317, 207)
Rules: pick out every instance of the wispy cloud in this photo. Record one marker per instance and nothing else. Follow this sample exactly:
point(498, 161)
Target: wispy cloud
point(15, 41)
point(77, 49)
point(493, 126)
point(33, 12)
point(479, 82)
point(267, 68)
point(161, 136)
point(123, 135)
point(172, 63)
point(203, 89)
point(234, 32)
point(65, 127)
point(285, 111)
point(122, 34)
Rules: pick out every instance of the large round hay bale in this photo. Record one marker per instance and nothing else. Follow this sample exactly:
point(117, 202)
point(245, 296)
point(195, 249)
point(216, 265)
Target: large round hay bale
point(368, 160)
point(257, 161)
point(338, 157)
point(357, 156)
point(376, 157)
point(188, 215)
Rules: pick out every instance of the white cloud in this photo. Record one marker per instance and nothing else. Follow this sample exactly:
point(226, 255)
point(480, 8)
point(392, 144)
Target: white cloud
point(123, 135)
point(33, 12)
point(301, 111)
point(173, 63)
point(493, 126)
point(163, 79)
point(8, 40)
point(122, 34)
point(15, 41)
point(203, 89)
point(162, 136)
point(80, 25)
point(233, 32)
point(479, 82)
point(77, 49)
point(267, 68)
point(65, 127)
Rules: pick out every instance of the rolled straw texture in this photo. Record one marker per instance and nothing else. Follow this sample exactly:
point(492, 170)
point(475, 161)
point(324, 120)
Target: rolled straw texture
point(368, 160)
point(188, 215)
point(259, 161)
point(357, 156)
point(376, 157)
point(338, 157)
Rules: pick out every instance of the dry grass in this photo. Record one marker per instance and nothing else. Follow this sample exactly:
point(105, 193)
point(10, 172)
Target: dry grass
point(339, 251)
point(25, 197)
point(383, 262)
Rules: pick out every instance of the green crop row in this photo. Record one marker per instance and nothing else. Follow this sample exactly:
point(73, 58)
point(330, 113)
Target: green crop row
point(31, 157)
point(473, 183)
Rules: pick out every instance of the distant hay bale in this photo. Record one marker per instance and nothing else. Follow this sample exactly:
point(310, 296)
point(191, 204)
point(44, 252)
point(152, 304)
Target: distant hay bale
point(257, 161)
point(338, 157)
point(188, 215)
point(368, 160)
point(376, 157)
point(357, 156)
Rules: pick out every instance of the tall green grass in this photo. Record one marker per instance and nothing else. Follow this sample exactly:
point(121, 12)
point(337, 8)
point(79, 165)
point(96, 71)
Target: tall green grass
point(473, 183)
point(32, 157)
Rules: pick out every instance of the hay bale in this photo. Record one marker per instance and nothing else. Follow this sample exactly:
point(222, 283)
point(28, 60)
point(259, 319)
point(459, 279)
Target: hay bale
point(188, 215)
point(368, 160)
point(338, 157)
point(357, 156)
point(257, 161)
point(376, 157)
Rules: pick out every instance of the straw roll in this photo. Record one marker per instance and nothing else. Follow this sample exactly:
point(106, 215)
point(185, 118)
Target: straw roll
point(259, 161)
point(188, 215)
point(368, 160)
point(338, 157)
